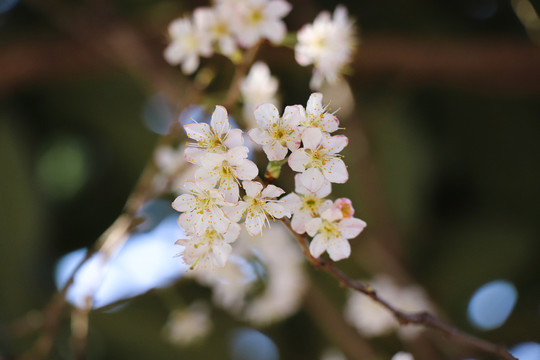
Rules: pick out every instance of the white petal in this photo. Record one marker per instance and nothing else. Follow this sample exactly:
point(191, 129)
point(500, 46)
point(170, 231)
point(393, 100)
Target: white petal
point(272, 191)
point(190, 64)
point(314, 105)
point(312, 179)
point(236, 155)
point(227, 45)
point(293, 116)
point(311, 138)
point(219, 221)
point(193, 155)
point(220, 120)
point(292, 202)
point(229, 188)
point(254, 222)
point(221, 251)
point(207, 176)
point(338, 249)
point(299, 221)
point(329, 123)
point(234, 213)
point(185, 202)
point(334, 144)
point(277, 9)
point(332, 214)
point(234, 138)
point(266, 115)
point(246, 170)
point(275, 151)
point(351, 227)
point(335, 171)
point(313, 226)
point(325, 190)
point(274, 31)
point(232, 233)
point(259, 136)
point(253, 188)
point(298, 160)
point(198, 132)
point(317, 246)
point(294, 140)
point(277, 210)
point(299, 187)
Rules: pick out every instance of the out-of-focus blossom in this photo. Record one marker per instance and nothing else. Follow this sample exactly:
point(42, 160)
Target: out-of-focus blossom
point(257, 88)
point(188, 325)
point(328, 44)
point(217, 22)
point(402, 356)
point(188, 42)
point(277, 134)
point(371, 319)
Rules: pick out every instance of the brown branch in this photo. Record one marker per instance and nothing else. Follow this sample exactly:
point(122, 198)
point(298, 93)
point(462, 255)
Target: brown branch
point(404, 318)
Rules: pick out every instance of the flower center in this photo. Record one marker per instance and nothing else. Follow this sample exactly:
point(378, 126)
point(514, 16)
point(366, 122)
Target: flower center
point(329, 229)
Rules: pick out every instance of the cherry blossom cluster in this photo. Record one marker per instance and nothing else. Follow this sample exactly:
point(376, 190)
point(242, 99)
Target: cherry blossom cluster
point(314, 155)
point(225, 27)
point(211, 206)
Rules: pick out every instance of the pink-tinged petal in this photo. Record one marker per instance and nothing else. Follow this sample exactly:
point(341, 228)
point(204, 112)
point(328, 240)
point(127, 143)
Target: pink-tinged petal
point(325, 190)
point(299, 187)
point(327, 204)
point(219, 221)
point(207, 176)
point(317, 246)
point(253, 188)
point(259, 136)
point(254, 222)
point(198, 132)
point(338, 249)
point(332, 214)
point(220, 120)
point(275, 31)
point(277, 9)
point(220, 253)
point(277, 210)
point(246, 170)
point(185, 202)
point(293, 116)
point(298, 160)
point(312, 179)
point(294, 140)
point(229, 188)
point(313, 226)
point(275, 151)
point(272, 191)
point(299, 221)
point(335, 171)
point(232, 233)
point(292, 202)
point(234, 138)
point(193, 155)
point(212, 160)
point(314, 105)
point(329, 123)
point(311, 137)
point(266, 115)
point(236, 155)
point(346, 207)
point(234, 213)
point(351, 227)
point(334, 144)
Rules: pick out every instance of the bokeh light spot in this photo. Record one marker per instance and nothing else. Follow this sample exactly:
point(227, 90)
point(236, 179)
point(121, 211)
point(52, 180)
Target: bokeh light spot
point(491, 304)
point(249, 344)
point(6, 5)
point(526, 351)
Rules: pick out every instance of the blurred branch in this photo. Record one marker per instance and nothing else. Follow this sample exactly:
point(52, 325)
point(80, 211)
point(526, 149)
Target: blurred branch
point(404, 318)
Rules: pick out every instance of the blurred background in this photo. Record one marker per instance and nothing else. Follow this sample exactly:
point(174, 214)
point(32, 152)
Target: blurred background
point(443, 113)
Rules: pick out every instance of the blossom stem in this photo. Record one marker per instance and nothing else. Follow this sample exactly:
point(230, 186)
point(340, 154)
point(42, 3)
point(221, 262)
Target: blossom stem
point(404, 318)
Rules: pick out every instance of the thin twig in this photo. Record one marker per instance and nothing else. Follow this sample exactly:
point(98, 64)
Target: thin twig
point(404, 318)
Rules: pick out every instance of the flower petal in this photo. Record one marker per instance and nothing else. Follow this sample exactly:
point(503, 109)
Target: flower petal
point(234, 213)
point(266, 115)
point(312, 179)
point(351, 227)
point(299, 221)
point(219, 221)
point(317, 246)
point(234, 138)
point(272, 191)
point(298, 160)
point(311, 138)
point(253, 188)
point(277, 210)
point(338, 249)
point(259, 136)
point(334, 144)
point(229, 188)
point(292, 202)
point(313, 226)
point(275, 151)
point(198, 131)
point(314, 105)
point(246, 170)
point(185, 202)
point(254, 222)
point(220, 120)
point(335, 171)
point(232, 233)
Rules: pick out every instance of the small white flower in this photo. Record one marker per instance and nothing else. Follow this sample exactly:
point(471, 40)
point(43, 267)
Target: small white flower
point(328, 44)
point(217, 22)
point(331, 232)
point(226, 169)
point(209, 249)
point(317, 116)
point(305, 204)
point(261, 19)
point(218, 137)
point(402, 356)
point(201, 208)
point(189, 325)
point(258, 206)
point(277, 134)
point(188, 42)
point(319, 159)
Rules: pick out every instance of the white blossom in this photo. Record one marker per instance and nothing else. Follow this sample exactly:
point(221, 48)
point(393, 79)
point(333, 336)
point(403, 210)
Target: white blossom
point(317, 116)
point(209, 249)
point(305, 204)
point(257, 88)
point(328, 44)
point(218, 137)
point(217, 22)
point(277, 134)
point(188, 42)
point(402, 356)
point(224, 170)
point(188, 325)
point(331, 232)
point(258, 205)
point(319, 159)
